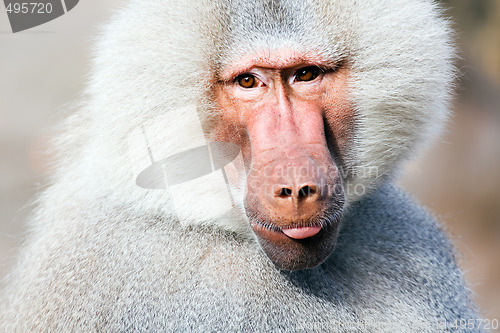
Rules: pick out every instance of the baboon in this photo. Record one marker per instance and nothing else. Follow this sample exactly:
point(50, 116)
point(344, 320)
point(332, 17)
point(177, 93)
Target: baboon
point(231, 170)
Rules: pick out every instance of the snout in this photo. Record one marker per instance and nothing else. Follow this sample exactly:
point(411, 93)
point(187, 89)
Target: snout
point(294, 207)
point(292, 193)
point(295, 191)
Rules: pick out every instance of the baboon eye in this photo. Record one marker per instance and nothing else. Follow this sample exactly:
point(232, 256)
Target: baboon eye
point(307, 73)
point(247, 81)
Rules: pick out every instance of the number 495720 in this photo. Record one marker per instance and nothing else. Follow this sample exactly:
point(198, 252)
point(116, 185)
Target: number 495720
point(29, 7)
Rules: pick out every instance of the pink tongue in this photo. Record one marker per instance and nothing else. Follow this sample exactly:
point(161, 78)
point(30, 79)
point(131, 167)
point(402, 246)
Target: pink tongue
point(300, 233)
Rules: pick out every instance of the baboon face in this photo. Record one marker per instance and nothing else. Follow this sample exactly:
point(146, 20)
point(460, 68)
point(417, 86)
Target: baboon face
point(324, 99)
point(290, 114)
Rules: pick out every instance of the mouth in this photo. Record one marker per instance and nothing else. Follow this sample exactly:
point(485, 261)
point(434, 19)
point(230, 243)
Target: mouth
point(299, 231)
point(294, 246)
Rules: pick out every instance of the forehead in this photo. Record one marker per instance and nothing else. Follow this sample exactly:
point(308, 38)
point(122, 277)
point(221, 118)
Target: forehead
point(273, 34)
point(278, 16)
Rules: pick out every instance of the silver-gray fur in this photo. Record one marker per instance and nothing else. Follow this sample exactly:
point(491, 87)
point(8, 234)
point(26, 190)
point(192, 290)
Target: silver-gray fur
point(393, 271)
point(105, 255)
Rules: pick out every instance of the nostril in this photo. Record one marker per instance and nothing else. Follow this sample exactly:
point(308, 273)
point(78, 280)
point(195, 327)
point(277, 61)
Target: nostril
point(285, 192)
point(303, 193)
point(307, 190)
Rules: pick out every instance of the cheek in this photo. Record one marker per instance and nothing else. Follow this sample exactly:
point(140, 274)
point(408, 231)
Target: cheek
point(229, 123)
point(227, 117)
point(339, 116)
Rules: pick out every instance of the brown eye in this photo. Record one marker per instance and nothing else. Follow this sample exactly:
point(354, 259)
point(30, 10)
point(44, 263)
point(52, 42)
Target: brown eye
point(307, 73)
point(247, 81)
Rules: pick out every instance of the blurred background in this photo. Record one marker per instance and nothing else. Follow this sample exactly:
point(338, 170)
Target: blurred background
point(43, 70)
point(458, 178)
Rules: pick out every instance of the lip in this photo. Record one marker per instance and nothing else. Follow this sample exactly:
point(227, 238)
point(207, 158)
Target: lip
point(291, 253)
point(301, 233)
point(276, 233)
point(307, 249)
